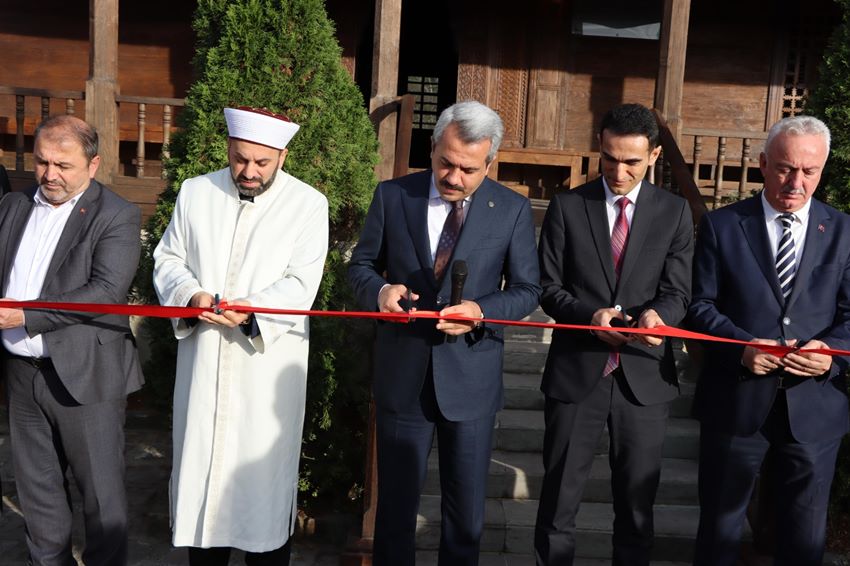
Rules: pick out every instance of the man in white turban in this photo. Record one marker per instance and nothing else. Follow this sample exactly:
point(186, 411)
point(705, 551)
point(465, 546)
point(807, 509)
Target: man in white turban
point(249, 234)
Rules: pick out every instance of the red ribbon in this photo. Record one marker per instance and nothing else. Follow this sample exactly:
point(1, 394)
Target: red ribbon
point(191, 312)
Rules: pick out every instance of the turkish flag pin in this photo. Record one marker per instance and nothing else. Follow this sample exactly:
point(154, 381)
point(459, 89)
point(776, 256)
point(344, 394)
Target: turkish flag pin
point(821, 228)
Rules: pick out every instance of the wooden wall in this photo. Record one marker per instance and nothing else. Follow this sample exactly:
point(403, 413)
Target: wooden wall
point(45, 45)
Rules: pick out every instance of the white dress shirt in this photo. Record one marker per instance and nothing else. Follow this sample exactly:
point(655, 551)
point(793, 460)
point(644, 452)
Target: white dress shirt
point(35, 251)
point(798, 227)
point(613, 209)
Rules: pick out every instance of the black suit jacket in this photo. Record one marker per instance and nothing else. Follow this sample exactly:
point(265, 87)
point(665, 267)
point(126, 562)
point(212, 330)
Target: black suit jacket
point(737, 295)
point(497, 243)
point(94, 262)
point(578, 278)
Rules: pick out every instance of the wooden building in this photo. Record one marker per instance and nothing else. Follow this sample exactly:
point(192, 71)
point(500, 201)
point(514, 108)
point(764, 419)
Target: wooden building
point(719, 71)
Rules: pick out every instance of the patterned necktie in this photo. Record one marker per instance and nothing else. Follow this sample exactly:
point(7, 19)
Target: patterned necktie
point(448, 238)
point(786, 265)
point(619, 240)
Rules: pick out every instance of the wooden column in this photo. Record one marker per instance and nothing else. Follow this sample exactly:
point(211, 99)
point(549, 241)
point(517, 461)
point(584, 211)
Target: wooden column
point(673, 47)
point(385, 80)
point(102, 84)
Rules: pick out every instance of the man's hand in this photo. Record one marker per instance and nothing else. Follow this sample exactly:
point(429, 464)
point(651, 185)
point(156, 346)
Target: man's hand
point(603, 317)
point(456, 327)
point(758, 362)
point(649, 319)
point(10, 318)
point(807, 364)
point(227, 317)
point(390, 296)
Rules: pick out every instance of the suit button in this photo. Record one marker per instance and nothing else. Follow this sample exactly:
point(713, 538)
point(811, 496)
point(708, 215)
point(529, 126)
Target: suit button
point(786, 321)
point(440, 300)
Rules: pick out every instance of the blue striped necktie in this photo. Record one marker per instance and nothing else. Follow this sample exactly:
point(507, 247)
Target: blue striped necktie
point(786, 265)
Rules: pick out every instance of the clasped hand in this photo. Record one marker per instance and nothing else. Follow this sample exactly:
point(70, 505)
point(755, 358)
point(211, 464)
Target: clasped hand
point(648, 319)
point(797, 362)
point(391, 295)
point(225, 317)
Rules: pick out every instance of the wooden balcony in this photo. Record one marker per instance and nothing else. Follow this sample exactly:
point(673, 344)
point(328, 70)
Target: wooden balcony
point(145, 128)
point(723, 164)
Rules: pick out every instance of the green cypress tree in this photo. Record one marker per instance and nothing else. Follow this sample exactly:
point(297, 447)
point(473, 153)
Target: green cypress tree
point(830, 102)
point(283, 55)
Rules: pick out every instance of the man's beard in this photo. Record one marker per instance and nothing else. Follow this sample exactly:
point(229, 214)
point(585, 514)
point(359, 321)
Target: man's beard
point(263, 187)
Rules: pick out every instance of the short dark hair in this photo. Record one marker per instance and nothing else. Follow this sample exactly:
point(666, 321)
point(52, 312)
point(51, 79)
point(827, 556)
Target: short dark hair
point(80, 130)
point(631, 120)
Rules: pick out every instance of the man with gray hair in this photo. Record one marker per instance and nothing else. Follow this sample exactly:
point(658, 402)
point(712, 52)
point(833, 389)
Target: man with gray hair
point(445, 376)
point(772, 270)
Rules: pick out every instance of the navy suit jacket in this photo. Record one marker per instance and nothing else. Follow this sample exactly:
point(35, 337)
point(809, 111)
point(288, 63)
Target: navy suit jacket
point(578, 278)
point(497, 243)
point(94, 262)
point(737, 295)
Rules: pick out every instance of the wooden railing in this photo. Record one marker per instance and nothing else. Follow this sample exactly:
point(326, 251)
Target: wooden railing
point(167, 108)
point(143, 131)
point(724, 163)
point(47, 99)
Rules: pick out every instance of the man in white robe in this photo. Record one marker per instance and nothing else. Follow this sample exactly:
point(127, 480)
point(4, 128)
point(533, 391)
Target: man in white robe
point(248, 234)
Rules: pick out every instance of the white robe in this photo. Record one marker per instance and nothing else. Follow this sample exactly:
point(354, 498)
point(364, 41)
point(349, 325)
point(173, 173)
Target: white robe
point(239, 402)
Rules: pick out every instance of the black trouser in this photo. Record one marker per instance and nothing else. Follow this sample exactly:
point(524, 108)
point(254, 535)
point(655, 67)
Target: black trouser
point(220, 556)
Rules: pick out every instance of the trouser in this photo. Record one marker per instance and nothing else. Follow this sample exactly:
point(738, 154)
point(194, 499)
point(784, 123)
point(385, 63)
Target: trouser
point(51, 432)
point(802, 478)
point(404, 442)
point(220, 556)
point(636, 434)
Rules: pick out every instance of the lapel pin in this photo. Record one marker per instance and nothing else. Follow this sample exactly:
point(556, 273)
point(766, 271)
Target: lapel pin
point(82, 211)
point(491, 204)
point(821, 228)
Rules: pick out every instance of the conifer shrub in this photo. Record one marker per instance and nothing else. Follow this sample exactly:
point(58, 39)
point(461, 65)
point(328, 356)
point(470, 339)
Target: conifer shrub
point(830, 102)
point(283, 55)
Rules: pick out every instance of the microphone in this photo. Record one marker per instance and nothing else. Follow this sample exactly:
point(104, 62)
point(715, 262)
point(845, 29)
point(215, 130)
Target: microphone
point(459, 273)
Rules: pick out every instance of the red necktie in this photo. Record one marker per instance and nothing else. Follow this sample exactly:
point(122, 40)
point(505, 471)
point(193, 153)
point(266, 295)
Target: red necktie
point(448, 238)
point(619, 240)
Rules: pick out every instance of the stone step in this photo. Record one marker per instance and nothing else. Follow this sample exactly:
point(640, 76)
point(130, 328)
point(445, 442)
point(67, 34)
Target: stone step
point(509, 528)
point(429, 558)
point(530, 333)
point(525, 357)
point(519, 475)
point(522, 391)
point(522, 431)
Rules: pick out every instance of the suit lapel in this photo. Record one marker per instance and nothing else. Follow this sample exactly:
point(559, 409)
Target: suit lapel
point(415, 203)
point(755, 232)
point(18, 222)
point(597, 217)
point(83, 210)
point(818, 233)
point(642, 222)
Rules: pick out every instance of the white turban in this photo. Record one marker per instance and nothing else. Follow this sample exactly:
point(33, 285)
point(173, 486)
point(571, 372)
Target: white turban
point(258, 125)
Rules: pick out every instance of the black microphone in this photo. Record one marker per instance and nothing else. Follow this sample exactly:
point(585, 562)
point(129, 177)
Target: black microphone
point(459, 273)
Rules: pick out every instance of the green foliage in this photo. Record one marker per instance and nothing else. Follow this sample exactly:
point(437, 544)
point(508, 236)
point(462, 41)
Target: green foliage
point(283, 55)
point(830, 102)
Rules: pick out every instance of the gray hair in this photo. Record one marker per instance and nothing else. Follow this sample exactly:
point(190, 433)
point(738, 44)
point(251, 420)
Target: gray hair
point(475, 122)
point(798, 126)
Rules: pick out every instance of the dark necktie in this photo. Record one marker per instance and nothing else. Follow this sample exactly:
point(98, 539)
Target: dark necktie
point(786, 265)
point(619, 240)
point(448, 238)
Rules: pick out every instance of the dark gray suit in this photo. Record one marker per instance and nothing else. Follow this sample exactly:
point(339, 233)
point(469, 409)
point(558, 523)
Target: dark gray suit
point(68, 410)
point(578, 278)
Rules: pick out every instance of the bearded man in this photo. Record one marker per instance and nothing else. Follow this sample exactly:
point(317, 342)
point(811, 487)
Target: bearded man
point(248, 234)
